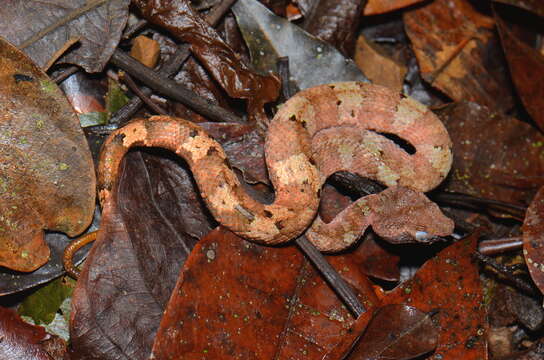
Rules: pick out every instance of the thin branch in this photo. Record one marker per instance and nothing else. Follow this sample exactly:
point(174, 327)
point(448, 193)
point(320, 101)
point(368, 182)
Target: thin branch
point(127, 79)
point(499, 246)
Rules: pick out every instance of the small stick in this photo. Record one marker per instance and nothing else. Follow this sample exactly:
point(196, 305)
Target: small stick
point(507, 273)
point(72, 248)
point(172, 89)
point(499, 246)
point(123, 115)
point(127, 79)
point(332, 277)
point(65, 74)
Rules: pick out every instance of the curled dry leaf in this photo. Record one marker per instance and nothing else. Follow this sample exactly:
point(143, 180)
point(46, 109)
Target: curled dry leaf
point(24, 341)
point(458, 53)
point(47, 177)
point(494, 156)
point(525, 62)
point(179, 18)
point(397, 332)
point(236, 299)
point(450, 283)
point(98, 30)
point(533, 239)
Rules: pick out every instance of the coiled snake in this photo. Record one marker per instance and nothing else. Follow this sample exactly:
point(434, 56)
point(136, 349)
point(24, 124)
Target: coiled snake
point(319, 131)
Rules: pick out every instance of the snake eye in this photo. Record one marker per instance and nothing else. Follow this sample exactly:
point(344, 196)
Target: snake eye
point(422, 236)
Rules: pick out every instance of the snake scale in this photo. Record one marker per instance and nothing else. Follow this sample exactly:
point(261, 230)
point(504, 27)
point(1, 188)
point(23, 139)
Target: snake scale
point(319, 131)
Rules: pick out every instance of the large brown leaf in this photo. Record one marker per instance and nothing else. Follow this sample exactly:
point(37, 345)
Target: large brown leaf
point(98, 30)
point(494, 156)
point(47, 177)
point(457, 52)
point(526, 63)
point(450, 283)
point(236, 299)
point(20, 340)
point(397, 332)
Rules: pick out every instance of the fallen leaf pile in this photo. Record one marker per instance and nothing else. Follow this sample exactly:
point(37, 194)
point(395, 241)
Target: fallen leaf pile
point(165, 280)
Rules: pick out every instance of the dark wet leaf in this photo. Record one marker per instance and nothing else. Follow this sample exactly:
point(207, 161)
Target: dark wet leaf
point(533, 239)
point(510, 305)
point(525, 62)
point(494, 156)
point(98, 30)
point(450, 283)
point(311, 61)
point(47, 178)
point(236, 299)
point(24, 341)
point(335, 22)
point(535, 6)
point(179, 18)
point(458, 53)
point(397, 332)
point(535, 353)
point(132, 269)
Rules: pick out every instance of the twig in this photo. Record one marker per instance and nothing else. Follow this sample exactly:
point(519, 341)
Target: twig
point(65, 74)
point(168, 70)
point(134, 29)
point(507, 273)
point(62, 21)
point(331, 276)
point(499, 246)
point(132, 85)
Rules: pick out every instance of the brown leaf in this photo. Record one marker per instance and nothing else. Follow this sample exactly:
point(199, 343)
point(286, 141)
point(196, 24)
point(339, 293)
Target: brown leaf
point(525, 62)
point(374, 7)
point(457, 52)
point(236, 299)
point(334, 22)
point(450, 283)
point(374, 259)
point(20, 340)
point(47, 177)
point(133, 266)
point(178, 17)
point(98, 30)
point(377, 66)
point(397, 332)
point(494, 156)
point(533, 239)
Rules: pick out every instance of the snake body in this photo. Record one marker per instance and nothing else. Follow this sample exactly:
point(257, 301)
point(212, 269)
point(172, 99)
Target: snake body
point(319, 131)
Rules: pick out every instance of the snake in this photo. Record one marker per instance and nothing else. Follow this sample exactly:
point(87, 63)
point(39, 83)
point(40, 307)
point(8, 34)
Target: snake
point(319, 131)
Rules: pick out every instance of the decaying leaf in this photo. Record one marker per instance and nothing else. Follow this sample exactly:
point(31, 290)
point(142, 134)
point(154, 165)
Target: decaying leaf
point(535, 6)
point(397, 332)
point(98, 30)
point(533, 239)
point(450, 283)
point(526, 64)
point(179, 18)
point(47, 177)
point(236, 299)
point(24, 341)
point(311, 61)
point(494, 156)
point(377, 66)
point(457, 52)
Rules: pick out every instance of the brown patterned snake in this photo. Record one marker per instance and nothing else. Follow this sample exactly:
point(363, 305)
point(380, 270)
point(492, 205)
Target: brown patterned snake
point(316, 133)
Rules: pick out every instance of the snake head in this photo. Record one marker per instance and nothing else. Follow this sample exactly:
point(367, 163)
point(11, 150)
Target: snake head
point(403, 215)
